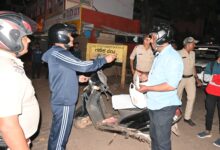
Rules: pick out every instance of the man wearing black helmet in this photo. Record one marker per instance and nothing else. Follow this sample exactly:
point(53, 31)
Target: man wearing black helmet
point(64, 81)
point(19, 110)
point(163, 79)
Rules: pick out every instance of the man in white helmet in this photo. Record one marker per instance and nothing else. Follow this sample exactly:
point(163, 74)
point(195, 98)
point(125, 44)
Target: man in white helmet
point(19, 110)
point(161, 88)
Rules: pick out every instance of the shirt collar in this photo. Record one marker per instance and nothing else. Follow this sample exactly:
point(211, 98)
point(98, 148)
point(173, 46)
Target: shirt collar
point(165, 49)
point(8, 55)
point(186, 52)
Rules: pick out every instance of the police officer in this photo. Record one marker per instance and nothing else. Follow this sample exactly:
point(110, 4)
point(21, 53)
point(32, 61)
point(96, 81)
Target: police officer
point(144, 58)
point(189, 77)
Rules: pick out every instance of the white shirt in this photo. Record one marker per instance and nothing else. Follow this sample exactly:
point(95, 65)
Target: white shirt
point(17, 95)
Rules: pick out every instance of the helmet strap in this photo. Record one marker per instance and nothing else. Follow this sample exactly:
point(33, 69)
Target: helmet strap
point(67, 46)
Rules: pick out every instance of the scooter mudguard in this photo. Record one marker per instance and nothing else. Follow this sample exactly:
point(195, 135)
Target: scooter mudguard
point(82, 110)
point(94, 109)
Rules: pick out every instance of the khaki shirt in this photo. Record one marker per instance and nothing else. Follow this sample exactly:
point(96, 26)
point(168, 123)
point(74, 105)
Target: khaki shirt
point(144, 58)
point(17, 95)
point(188, 61)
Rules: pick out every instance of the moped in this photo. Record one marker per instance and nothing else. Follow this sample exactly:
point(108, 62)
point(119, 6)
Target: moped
point(133, 122)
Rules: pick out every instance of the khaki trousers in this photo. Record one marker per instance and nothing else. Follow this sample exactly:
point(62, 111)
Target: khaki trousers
point(142, 76)
point(189, 85)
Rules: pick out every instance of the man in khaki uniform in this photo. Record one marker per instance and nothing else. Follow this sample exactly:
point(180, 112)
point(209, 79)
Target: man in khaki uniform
point(190, 77)
point(144, 59)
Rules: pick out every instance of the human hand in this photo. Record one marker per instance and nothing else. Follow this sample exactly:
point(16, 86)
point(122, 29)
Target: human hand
point(132, 71)
point(143, 77)
point(199, 83)
point(83, 79)
point(110, 58)
point(142, 88)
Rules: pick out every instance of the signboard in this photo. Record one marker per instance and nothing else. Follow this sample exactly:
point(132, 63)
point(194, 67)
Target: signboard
point(71, 15)
point(93, 50)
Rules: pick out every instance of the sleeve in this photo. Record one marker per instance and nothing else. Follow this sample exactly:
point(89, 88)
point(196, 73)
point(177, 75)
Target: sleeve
point(194, 58)
point(133, 53)
point(68, 60)
point(10, 95)
point(174, 72)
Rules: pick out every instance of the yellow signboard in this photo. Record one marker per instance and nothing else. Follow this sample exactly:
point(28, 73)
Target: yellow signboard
point(105, 49)
point(93, 50)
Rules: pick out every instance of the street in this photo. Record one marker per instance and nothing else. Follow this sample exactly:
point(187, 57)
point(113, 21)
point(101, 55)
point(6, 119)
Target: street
point(91, 139)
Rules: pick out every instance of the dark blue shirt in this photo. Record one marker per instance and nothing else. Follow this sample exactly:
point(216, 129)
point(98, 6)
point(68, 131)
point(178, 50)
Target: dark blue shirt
point(215, 68)
point(62, 74)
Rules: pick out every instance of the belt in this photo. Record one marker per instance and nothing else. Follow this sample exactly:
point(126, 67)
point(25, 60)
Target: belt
point(142, 71)
point(187, 76)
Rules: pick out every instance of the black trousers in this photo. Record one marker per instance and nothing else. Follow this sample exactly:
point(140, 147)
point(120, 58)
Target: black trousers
point(210, 104)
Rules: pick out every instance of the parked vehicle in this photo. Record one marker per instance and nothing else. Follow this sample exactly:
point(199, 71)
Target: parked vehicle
point(204, 54)
point(133, 123)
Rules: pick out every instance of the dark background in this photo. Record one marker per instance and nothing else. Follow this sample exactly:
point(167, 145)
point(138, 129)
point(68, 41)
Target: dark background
point(184, 15)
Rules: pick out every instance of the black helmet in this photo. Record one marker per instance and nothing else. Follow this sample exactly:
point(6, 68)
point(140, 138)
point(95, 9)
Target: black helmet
point(58, 33)
point(164, 33)
point(13, 26)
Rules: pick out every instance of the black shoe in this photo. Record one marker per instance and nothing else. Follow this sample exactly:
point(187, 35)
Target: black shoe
point(190, 122)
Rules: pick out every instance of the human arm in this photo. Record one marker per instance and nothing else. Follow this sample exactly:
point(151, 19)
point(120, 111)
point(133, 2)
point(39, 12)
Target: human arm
point(68, 60)
point(132, 57)
point(132, 66)
point(163, 87)
point(198, 81)
point(12, 133)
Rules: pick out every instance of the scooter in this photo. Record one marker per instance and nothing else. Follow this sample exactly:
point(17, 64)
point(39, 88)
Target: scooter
point(133, 122)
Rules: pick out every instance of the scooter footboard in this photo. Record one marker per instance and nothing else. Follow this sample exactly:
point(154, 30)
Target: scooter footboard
point(128, 132)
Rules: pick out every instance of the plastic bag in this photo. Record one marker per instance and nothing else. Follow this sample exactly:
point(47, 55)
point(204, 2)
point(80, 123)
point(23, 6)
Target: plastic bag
point(138, 99)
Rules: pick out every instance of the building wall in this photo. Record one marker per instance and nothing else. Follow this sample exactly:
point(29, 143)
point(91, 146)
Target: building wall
point(102, 19)
point(122, 8)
